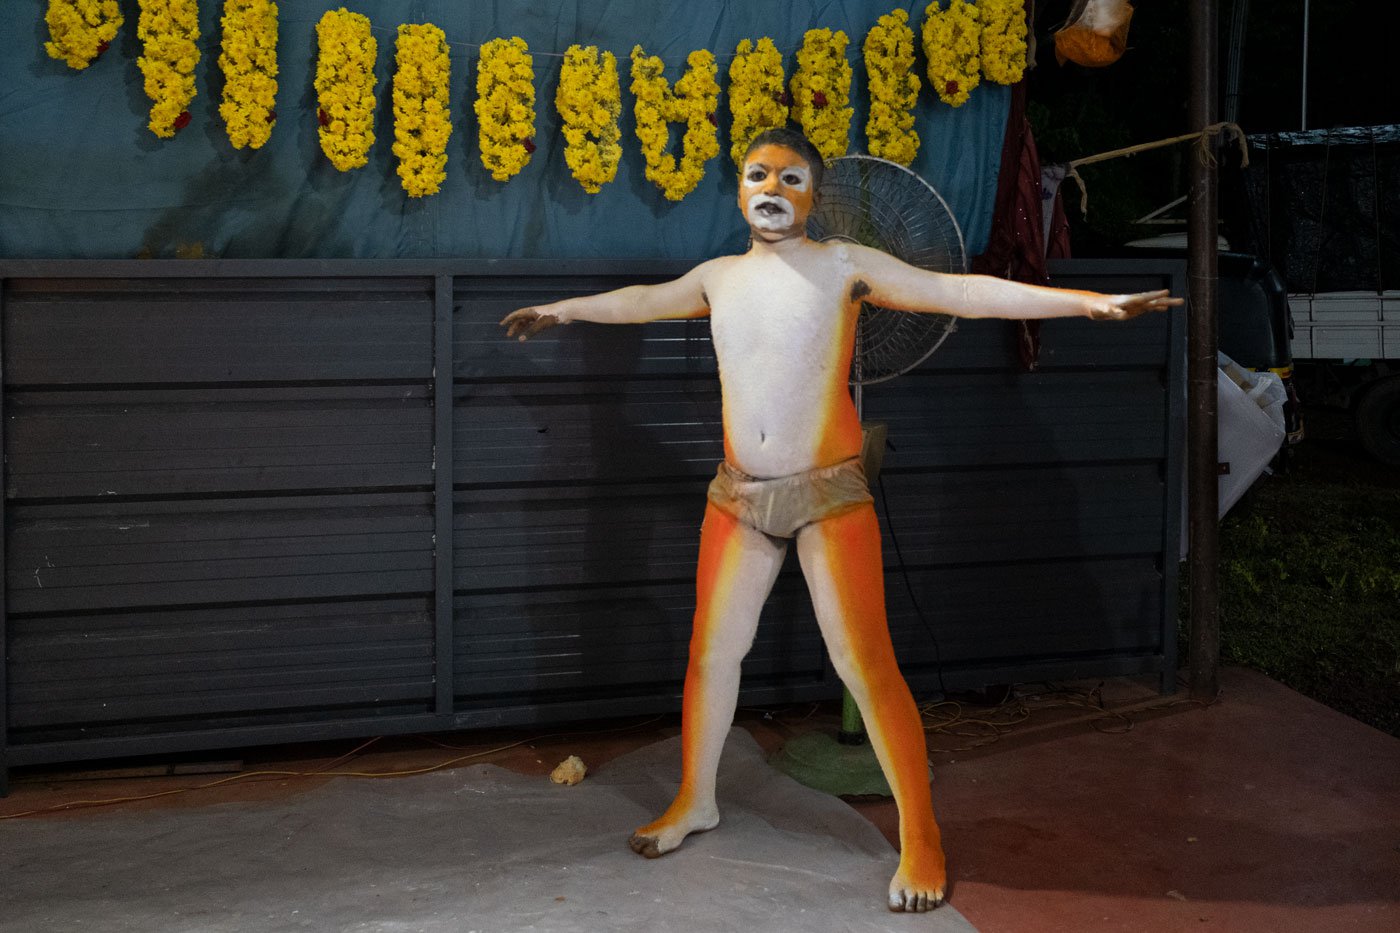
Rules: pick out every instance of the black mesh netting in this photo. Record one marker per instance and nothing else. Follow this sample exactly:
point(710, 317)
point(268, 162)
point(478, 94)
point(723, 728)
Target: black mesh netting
point(1324, 207)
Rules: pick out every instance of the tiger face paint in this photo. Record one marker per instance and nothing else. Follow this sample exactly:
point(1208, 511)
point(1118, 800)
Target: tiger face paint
point(776, 192)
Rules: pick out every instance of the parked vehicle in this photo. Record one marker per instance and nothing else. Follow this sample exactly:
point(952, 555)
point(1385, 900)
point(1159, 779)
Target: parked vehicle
point(1349, 343)
point(1321, 208)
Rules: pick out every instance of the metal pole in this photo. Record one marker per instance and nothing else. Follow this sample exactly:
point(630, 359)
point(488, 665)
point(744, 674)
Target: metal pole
point(1202, 441)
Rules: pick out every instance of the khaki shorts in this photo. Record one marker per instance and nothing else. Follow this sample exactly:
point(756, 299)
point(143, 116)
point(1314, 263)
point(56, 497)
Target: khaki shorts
point(781, 506)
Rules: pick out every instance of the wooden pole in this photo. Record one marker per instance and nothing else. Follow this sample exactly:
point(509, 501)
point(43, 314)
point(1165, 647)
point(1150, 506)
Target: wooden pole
point(1202, 431)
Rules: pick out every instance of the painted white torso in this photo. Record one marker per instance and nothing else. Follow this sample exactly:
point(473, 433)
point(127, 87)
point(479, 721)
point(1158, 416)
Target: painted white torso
point(781, 325)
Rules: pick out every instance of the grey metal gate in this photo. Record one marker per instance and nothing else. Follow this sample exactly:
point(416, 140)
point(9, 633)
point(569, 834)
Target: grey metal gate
point(249, 502)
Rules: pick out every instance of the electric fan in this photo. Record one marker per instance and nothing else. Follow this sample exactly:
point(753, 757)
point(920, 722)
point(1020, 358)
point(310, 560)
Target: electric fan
point(881, 204)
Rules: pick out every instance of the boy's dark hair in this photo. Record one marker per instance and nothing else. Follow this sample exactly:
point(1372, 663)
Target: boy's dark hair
point(791, 138)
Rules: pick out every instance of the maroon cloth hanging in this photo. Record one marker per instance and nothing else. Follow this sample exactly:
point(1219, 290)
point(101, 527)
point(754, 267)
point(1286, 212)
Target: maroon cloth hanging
point(1016, 248)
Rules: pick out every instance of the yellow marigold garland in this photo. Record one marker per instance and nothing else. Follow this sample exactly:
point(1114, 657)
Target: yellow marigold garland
point(692, 102)
point(505, 106)
point(1003, 40)
point(821, 91)
point(168, 30)
point(248, 59)
point(81, 30)
point(952, 42)
point(894, 88)
point(589, 101)
point(757, 98)
point(346, 50)
point(422, 120)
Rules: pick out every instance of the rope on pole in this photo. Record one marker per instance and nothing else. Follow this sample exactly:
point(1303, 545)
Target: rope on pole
point(1204, 140)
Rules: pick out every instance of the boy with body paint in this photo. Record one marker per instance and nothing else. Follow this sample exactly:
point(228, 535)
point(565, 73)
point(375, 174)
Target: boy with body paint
point(782, 319)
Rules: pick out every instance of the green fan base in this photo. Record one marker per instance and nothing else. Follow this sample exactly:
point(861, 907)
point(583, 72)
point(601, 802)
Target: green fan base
point(819, 761)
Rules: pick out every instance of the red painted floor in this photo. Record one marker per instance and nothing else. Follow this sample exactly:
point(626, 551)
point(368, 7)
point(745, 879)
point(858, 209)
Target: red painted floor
point(1262, 812)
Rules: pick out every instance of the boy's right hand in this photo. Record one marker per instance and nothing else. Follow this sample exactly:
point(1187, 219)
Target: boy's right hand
point(527, 322)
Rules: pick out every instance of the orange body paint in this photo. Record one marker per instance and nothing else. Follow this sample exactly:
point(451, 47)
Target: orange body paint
point(840, 437)
point(845, 551)
point(736, 570)
point(714, 581)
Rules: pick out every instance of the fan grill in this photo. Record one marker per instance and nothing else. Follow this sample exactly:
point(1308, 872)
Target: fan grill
point(883, 205)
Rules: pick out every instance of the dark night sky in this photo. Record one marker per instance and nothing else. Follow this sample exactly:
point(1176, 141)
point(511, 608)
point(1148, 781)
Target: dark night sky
point(1354, 59)
point(1351, 64)
point(1076, 111)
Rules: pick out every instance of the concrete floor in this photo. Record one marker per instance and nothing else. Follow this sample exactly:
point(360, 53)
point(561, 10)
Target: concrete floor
point(1265, 811)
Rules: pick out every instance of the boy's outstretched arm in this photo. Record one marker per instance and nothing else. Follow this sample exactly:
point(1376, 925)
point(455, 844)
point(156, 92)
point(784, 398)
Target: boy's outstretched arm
point(636, 304)
point(895, 284)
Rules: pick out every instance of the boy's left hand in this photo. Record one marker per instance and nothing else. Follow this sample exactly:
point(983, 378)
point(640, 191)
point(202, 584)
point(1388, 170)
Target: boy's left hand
point(1126, 307)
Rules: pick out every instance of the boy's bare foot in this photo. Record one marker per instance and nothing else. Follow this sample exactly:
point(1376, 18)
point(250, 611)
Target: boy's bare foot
point(921, 882)
point(656, 839)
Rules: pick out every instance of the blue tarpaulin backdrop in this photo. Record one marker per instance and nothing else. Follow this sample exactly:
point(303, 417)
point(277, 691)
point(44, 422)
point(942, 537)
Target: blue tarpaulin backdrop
point(81, 175)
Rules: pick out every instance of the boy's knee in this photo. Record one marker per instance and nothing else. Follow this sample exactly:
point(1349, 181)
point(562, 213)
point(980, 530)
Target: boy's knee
point(706, 656)
point(872, 659)
point(852, 673)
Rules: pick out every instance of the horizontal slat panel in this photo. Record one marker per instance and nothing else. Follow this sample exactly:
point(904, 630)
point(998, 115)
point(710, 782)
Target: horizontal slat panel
point(1117, 276)
point(209, 330)
point(650, 614)
point(613, 535)
point(129, 695)
point(990, 344)
point(576, 536)
point(174, 442)
point(68, 558)
point(175, 710)
point(536, 642)
point(1104, 345)
point(1004, 613)
point(147, 666)
point(594, 681)
point(661, 348)
point(106, 280)
point(579, 431)
point(1005, 516)
point(975, 419)
point(129, 637)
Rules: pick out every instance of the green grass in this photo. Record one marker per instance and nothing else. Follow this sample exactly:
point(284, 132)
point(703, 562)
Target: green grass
point(1309, 587)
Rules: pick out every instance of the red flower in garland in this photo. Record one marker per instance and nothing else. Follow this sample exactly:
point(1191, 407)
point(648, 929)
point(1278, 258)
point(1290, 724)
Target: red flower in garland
point(323, 118)
point(818, 99)
point(103, 46)
point(182, 121)
point(712, 119)
point(951, 88)
point(529, 145)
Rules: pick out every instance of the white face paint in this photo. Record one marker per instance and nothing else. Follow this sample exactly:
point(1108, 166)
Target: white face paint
point(776, 189)
point(770, 212)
